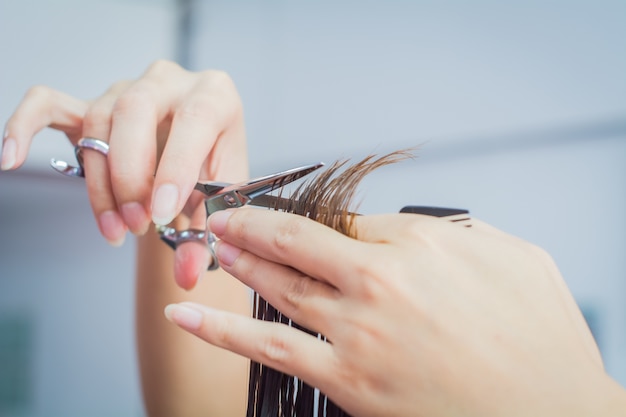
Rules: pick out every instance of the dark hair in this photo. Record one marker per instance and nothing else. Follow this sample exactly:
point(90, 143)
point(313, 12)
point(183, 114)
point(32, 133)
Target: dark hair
point(328, 199)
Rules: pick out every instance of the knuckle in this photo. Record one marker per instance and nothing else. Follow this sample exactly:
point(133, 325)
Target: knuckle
point(222, 333)
point(287, 233)
point(237, 227)
point(162, 68)
point(248, 268)
point(137, 99)
point(219, 83)
point(361, 334)
point(197, 107)
point(217, 78)
point(96, 117)
point(39, 92)
point(349, 379)
point(373, 277)
point(421, 230)
point(295, 292)
point(130, 185)
point(120, 181)
point(119, 86)
point(274, 349)
point(129, 182)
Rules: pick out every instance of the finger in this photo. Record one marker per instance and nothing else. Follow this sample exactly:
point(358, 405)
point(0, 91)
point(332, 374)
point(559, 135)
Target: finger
point(41, 107)
point(97, 124)
point(307, 301)
point(190, 264)
point(133, 150)
point(192, 259)
point(296, 241)
point(198, 122)
point(276, 345)
point(132, 154)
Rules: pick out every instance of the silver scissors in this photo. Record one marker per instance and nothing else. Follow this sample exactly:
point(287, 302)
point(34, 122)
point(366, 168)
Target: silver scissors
point(219, 195)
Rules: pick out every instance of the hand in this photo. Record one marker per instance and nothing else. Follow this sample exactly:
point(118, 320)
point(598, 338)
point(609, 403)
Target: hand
point(166, 130)
point(424, 317)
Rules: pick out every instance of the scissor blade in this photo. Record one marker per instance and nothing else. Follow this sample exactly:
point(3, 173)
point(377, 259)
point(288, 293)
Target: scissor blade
point(238, 195)
point(275, 202)
point(211, 188)
point(269, 183)
point(269, 201)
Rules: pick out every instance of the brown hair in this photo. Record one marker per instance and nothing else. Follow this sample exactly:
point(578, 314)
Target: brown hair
point(328, 199)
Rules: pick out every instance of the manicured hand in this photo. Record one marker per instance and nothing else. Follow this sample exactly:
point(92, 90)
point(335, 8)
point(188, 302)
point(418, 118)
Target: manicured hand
point(423, 317)
point(166, 130)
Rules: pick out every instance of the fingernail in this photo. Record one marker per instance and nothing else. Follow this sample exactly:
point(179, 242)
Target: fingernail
point(218, 221)
point(226, 253)
point(164, 204)
point(9, 154)
point(112, 227)
point(184, 315)
point(135, 217)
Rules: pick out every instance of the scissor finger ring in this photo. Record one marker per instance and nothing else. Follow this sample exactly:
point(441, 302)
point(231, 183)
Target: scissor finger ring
point(79, 171)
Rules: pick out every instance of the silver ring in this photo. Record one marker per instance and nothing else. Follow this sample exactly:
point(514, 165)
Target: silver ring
point(79, 171)
point(212, 240)
point(95, 144)
point(173, 238)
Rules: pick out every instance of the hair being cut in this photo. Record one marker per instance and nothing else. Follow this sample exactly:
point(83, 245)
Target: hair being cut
point(328, 199)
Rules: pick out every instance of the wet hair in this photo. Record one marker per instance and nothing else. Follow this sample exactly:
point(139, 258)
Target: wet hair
point(329, 199)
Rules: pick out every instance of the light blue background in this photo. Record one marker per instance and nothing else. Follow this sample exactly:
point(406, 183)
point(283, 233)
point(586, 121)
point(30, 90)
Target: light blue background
point(520, 108)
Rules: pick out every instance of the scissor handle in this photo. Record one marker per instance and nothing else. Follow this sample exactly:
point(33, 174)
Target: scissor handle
point(173, 238)
point(79, 171)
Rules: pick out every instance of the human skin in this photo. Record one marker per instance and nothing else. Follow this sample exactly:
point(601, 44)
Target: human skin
point(169, 127)
point(424, 317)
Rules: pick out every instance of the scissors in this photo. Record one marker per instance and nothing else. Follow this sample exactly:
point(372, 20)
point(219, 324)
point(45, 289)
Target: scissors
point(218, 195)
point(222, 196)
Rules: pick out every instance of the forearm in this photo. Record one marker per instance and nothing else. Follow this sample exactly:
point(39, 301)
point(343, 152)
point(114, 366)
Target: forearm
point(181, 375)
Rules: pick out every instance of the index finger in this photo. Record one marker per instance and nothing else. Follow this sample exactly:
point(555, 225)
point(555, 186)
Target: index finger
point(202, 128)
point(296, 241)
point(41, 107)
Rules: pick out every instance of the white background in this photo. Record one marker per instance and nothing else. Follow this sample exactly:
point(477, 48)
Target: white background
point(520, 108)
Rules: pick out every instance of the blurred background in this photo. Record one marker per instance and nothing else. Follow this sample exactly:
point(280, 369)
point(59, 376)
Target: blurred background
point(519, 108)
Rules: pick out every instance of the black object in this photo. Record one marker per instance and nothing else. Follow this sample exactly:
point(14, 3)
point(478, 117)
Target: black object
point(433, 211)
